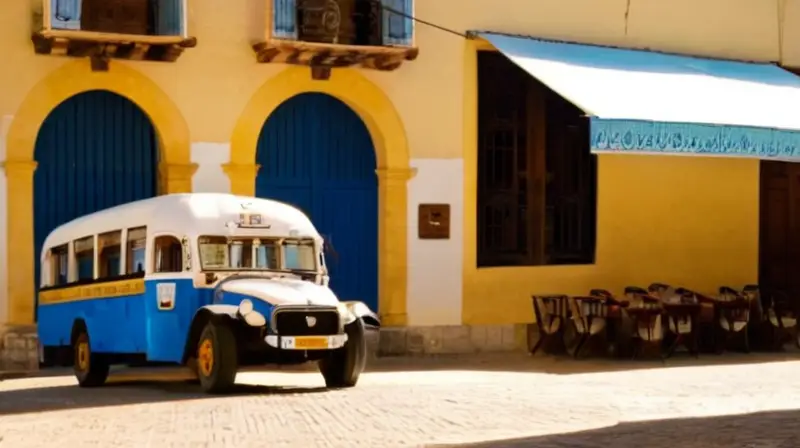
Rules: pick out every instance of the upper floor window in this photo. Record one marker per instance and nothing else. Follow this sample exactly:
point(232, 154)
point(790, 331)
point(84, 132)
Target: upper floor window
point(537, 179)
point(344, 22)
point(149, 30)
point(138, 17)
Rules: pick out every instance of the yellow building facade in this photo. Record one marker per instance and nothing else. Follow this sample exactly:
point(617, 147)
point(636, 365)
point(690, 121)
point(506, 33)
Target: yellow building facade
point(209, 106)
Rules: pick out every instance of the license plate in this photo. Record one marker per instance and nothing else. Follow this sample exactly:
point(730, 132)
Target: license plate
point(311, 343)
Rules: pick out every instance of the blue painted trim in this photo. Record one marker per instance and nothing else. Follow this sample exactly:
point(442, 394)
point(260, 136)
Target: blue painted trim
point(637, 136)
point(284, 19)
point(65, 14)
point(397, 29)
point(169, 17)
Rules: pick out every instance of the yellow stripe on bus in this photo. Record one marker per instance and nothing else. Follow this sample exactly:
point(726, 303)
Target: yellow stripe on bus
point(118, 288)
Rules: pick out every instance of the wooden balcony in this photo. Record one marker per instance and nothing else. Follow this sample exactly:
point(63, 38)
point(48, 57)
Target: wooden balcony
point(325, 34)
point(148, 30)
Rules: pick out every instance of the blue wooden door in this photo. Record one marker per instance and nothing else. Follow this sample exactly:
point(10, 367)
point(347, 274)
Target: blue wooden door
point(94, 151)
point(317, 154)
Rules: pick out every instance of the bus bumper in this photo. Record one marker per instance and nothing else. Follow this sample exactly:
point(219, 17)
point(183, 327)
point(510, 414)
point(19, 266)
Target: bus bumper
point(306, 342)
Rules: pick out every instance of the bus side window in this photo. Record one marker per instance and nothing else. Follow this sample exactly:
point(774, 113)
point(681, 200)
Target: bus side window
point(59, 266)
point(109, 247)
point(84, 258)
point(168, 254)
point(136, 245)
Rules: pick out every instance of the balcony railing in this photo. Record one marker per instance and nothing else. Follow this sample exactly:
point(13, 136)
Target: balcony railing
point(128, 29)
point(372, 33)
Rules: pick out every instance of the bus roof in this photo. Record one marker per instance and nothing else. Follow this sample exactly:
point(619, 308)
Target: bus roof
point(190, 214)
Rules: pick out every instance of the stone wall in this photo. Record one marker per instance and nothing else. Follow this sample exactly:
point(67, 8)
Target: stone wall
point(19, 345)
point(452, 339)
point(19, 349)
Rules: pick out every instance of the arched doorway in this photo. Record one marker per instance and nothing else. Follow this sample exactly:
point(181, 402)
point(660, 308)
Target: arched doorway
point(317, 154)
point(95, 150)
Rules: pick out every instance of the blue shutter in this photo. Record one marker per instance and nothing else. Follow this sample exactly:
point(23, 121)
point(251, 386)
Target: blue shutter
point(284, 19)
point(169, 17)
point(398, 29)
point(65, 14)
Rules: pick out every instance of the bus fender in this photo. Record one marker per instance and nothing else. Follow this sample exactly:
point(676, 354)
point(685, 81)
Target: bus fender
point(202, 316)
point(361, 311)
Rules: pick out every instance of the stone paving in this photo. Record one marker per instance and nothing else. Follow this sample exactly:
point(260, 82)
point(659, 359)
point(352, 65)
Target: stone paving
point(737, 401)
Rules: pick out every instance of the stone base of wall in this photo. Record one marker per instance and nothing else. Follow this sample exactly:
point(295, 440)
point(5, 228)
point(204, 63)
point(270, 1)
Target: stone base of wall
point(453, 339)
point(19, 345)
point(19, 349)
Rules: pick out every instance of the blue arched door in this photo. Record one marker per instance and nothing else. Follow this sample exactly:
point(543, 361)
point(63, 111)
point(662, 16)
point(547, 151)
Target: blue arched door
point(317, 154)
point(94, 151)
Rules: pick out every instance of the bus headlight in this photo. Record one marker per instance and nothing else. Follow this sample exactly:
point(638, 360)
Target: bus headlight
point(246, 307)
point(251, 316)
point(347, 316)
point(255, 319)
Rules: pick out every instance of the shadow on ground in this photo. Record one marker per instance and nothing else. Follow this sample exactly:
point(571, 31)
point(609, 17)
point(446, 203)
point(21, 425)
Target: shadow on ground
point(776, 429)
point(566, 365)
point(519, 362)
point(123, 392)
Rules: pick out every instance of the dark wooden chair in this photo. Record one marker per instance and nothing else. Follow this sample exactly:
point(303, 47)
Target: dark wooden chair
point(551, 318)
point(645, 310)
point(781, 313)
point(589, 315)
point(681, 310)
point(732, 316)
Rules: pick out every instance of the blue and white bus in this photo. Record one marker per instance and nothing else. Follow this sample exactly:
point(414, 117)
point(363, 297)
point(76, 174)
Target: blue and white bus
point(214, 281)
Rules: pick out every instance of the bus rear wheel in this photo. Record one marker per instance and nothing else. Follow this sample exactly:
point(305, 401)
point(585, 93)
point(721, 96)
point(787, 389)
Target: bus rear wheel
point(217, 361)
point(91, 369)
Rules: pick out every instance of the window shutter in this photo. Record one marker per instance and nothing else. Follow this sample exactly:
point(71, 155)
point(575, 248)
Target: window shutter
point(284, 19)
point(65, 14)
point(398, 29)
point(169, 17)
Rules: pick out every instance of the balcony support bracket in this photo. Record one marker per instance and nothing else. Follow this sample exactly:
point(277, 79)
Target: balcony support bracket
point(320, 73)
point(318, 55)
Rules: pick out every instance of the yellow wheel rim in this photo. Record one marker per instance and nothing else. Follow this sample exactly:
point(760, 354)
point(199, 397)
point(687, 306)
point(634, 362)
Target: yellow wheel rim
point(205, 357)
point(83, 355)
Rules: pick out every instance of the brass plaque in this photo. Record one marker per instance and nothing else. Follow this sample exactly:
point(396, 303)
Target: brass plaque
point(434, 221)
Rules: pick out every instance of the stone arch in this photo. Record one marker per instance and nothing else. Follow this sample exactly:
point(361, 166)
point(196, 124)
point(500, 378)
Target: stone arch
point(383, 122)
point(72, 78)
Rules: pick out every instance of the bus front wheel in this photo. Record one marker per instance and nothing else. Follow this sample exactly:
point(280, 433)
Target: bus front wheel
point(216, 358)
point(91, 369)
point(342, 367)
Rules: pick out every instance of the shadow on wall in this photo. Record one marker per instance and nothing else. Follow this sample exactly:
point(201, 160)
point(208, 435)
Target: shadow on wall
point(763, 429)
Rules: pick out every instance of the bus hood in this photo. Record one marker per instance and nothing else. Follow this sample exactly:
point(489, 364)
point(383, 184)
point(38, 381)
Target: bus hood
point(282, 291)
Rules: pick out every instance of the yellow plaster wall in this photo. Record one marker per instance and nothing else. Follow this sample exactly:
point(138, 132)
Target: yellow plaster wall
point(677, 220)
point(210, 86)
point(681, 220)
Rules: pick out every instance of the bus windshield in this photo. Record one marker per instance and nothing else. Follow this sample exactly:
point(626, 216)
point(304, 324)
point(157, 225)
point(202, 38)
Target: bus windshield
point(223, 253)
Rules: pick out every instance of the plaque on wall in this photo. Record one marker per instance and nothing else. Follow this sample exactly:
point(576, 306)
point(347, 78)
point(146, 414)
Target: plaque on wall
point(434, 221)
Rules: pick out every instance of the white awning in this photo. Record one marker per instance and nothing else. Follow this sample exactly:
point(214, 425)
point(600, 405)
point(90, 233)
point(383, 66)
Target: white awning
point(640, 101)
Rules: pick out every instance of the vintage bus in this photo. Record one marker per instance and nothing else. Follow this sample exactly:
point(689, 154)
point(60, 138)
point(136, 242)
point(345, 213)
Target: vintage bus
point(214, 281)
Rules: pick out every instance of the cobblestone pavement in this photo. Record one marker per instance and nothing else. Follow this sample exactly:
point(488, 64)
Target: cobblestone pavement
point(503, 401)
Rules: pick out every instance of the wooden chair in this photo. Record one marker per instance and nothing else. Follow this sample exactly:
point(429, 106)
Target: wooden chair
point(551, 317)
point(732, 315)
point(645, 311)
point(589, 316)
point(681, 311)
point(705, 321)
point(780, 311)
